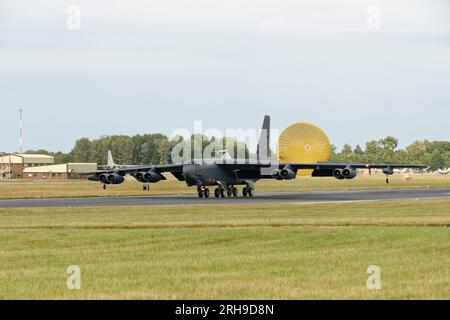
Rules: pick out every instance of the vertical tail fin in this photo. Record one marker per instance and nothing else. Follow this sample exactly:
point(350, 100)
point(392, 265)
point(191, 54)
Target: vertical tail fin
point(263, 150)
point(111, 163)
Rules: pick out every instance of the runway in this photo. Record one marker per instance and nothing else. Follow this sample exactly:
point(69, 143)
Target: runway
point(274, 198)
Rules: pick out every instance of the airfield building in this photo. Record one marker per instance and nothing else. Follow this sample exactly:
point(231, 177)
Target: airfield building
point(41, 167)
point(13, 165)
point(60, 171)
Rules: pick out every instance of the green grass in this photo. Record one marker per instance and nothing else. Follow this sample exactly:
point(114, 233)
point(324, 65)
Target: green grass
point(228, 251)
point(29, 189)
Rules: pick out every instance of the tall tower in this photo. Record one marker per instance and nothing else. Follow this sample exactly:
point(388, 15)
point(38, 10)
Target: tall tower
point(20, 131)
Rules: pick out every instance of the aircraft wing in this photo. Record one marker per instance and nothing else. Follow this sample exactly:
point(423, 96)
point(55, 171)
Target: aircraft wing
point(154, 168)
point(175, 169)
point(258, 170)
point(125, 169)
point(342, 165)
point(317, 165)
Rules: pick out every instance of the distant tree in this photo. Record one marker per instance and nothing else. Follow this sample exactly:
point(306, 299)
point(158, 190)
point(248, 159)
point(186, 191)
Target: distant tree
point(164, 150)
point(157, 149)
point(389, 143)
point(334, 153)
point(358, 154)
point(82, 150)
point(416, 151)
point(358, 151)
point(61, 157)
point(437, 160)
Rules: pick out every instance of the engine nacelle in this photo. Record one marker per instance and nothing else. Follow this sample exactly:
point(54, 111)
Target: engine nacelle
point(103, 178)
point(388, 171)
point(115, 178)
point(349, 173)
point(93, 177)
point(287, 174)
point(276, 174)
point(152, 177)
point(337, 173)
point(140, 176)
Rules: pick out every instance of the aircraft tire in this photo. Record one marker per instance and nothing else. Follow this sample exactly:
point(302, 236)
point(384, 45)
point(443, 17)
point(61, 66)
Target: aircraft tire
point(206, 193)
point(222, 193)
point(200, 194)
point(217, 193)
point(235, 192)
point(244, 192)
point(250, 192)
point(229, 192)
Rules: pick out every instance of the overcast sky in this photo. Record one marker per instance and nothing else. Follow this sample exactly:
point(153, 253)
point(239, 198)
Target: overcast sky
point(359, 69)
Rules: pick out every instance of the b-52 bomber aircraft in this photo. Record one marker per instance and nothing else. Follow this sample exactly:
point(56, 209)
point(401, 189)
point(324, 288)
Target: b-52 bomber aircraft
point(226, 175)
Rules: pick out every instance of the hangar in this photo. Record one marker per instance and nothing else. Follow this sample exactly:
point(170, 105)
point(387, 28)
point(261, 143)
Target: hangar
point(60, 171)
point(41, 167)
point(13, 165)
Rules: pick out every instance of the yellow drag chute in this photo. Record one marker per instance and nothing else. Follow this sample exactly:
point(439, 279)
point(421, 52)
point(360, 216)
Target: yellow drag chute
point(303, 142)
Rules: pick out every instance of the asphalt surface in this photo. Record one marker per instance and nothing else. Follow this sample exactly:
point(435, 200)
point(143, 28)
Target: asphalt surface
point(291, 197)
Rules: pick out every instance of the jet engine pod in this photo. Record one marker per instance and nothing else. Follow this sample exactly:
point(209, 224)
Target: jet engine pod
point(152, 177)
point(115, 178)
point(287, 174)
point(93, 177)
point(303, 143)
point(349, 173)
point(140, 176)
point(337, 173)
point(276, 174)
point(103, 178)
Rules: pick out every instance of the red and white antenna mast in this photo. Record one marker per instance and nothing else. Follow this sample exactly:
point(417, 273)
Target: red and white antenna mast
point(20, 132)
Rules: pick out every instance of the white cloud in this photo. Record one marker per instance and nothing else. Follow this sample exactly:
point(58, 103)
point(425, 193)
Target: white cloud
point(305, 60)
point(289, 16)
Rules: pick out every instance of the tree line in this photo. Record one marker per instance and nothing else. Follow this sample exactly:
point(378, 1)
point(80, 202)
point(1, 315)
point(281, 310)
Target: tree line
point(157, 149)
point(435, 154)
point(142, 149)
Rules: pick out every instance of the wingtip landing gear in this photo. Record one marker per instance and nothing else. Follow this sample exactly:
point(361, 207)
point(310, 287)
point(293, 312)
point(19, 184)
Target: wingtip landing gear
point(104, 187)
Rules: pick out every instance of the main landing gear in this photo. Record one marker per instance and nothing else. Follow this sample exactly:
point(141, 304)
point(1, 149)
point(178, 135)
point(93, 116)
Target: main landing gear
point(247, 191)
point(220, 192)
point(231, 191)
point(203, 192)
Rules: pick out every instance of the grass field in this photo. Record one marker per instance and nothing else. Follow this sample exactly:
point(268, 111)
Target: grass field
point(231, 251)
point(28, 189)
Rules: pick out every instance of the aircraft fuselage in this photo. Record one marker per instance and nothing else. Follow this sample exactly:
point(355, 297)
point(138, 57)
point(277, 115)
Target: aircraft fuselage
point(209, 175)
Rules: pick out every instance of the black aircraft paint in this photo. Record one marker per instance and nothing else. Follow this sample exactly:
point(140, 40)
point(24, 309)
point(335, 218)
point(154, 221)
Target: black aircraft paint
point(225, 174)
